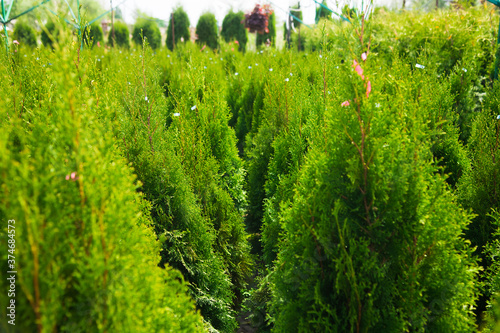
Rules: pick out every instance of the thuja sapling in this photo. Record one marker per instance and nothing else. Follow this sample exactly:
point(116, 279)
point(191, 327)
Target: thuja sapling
point(373, 240)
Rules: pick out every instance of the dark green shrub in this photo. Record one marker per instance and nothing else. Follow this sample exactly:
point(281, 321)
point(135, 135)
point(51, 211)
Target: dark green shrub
point(148, 29)
point(121, 35)
point(234, 29)
point(24, 34)
point(181, 28)
point(93, 34)
point(207, 30)
point(49, 34)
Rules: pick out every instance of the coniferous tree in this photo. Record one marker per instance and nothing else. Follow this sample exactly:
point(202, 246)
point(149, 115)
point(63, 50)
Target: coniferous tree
point(93, 34)
point(234, 29)
point(24, 34)
point(147, 28)
point(181, 27)
point(322, 12)
point(207, 30)
point(120, 35)
point(49, 34)
point(373, 240)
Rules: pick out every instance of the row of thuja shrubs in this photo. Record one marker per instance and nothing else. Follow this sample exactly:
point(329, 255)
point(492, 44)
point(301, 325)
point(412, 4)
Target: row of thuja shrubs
point(82, 238)
point(91, 36)
point(123, 187)
point(371, 190)
point(206, 30)
point(370, 202)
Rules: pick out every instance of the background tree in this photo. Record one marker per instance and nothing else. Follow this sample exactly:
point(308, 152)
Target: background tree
point(321, 12)
point(297, 13)
point(181, 27)
point(24, 34)
point(93, 34)
point(233, 29)
point(271, 35)
point(49, 34)
point(206, 29)
point(149, 30)
point(118, 14)
point(121, 35)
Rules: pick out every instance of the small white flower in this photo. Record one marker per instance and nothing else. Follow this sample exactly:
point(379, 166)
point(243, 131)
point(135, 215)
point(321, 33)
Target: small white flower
point(465, 70)
point(205, 67)
point(498, 117)
point(221, 59)
point(287, 79)
point(377, 105)
point(129, 83)
point(177, 114)
point(270, 69)
point(235, 73)
point(37, 58)
point(320, 56)
point(98, 59)
point(193, 107)
point(102, 56)
point(329, 92)
point(291, 74)
point(171, 63)
point(209, 58)
point(168, 55)
point(256, 64)
point(249, 67)
point(336, 66)
point(146, 99)
point(25, 56)
point(261, 51)
point(120, 52)
point(420, 66)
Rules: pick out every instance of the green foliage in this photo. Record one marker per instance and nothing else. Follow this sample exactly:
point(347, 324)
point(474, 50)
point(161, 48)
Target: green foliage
point(147, 29)
point(85, 252)
point(234, 29)
point(181, 28)
point(271, 35)
point(478, 189)
point(349, 185)
point(322, 12)
point(93, 34)
point(207, 31)
point(24, 34)
point(121, 35)
point(298, 14)
point(185, 155)
point(359, 190)
point(49, 34)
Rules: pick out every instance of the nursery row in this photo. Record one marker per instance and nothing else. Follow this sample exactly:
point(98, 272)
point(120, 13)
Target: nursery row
point(355, 187)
